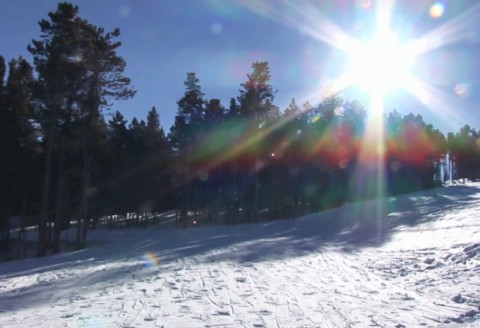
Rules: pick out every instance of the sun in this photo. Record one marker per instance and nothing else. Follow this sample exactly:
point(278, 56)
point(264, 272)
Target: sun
point(381, 65)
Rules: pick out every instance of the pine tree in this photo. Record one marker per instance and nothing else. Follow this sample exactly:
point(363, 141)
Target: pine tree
point(19, 160)
point(183, 137)
point(5, 160)
point(153, 121)
point(464, 146)
point(214, 111)
point(257, 95)
point(78, 73)
point(292, 110)
point(189, 113)
point(3, 70)
point(158, 158)
point(233, 108)
point(114, 166)
point(3, 125)
point(156, 140)
point(256, 104)
point(191, 105)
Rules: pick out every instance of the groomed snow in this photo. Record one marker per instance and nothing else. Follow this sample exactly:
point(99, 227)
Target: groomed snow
point(406, 261)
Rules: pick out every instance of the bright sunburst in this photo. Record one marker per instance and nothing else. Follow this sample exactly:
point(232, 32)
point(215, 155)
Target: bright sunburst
point(388, 59)
point(382, 64)
point(379, 60)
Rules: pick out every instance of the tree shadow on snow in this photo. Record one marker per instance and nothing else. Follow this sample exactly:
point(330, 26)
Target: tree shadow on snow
point(349, 227)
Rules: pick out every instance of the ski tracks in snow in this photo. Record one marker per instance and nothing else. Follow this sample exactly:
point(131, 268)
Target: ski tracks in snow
point(427, 275)
point(324, 289)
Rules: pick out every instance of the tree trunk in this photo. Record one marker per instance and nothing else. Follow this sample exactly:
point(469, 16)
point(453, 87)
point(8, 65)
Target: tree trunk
point(21, 247)
point(83, 221)
point(42, 224)
point(59, 212)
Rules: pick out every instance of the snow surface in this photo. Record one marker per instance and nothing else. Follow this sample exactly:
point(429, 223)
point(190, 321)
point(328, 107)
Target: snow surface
point(406, 261)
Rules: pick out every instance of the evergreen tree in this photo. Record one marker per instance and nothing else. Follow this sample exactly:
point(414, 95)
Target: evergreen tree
point(464, 146)
point(256, 104)
point(6, 120)
point(117, 130)
point(158, 158)
point(3, 136)
point(189, 113)
point(214, 111)
point(78, 72)
point(233, 108)
point(3, 70)
point(184, 136)
point(157, 141)
point(257, 95)
point(153, 121)
point(115, 165)
point(292, 110)
point(191, 105)
point(19, 160)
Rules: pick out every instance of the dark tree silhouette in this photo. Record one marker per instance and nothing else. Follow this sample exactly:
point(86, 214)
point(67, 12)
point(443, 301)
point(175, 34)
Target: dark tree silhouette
point(78, 72)
point(228, 164)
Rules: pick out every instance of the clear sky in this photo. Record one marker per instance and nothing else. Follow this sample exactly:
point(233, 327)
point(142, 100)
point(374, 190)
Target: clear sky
point(305, 42)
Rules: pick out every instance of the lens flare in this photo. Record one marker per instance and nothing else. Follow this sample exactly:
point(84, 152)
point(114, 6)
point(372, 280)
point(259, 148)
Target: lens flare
point(217, 28)
point(151, 260)
point(365, 4)
point(437, 10)
point(462, 89)
point(124, 10)
point(387, 61)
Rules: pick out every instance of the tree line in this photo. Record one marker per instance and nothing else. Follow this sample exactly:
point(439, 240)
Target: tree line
point(64, 158)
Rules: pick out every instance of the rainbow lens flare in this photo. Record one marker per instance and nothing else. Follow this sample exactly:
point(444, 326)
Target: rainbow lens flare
point(151, 260)
point(437, 10)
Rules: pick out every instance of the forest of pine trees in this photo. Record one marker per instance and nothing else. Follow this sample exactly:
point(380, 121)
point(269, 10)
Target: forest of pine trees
point(64, 159)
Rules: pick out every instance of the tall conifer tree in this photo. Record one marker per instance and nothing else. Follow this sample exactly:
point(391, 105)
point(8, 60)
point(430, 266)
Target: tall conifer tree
point(78, 72)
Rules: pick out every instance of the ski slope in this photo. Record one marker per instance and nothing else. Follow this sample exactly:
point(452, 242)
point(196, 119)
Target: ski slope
point(406, 261)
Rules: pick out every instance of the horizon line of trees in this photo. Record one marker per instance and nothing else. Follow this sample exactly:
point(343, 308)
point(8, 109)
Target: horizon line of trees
point(65, 160)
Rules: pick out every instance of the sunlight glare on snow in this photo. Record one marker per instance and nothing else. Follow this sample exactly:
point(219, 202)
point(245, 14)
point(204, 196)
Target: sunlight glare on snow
point(271, 274)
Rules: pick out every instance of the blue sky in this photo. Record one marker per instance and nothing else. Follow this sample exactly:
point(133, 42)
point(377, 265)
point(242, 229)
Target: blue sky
point(220, 39)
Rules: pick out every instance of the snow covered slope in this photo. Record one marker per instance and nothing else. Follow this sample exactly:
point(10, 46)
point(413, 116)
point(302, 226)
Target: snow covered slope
point(406, 261)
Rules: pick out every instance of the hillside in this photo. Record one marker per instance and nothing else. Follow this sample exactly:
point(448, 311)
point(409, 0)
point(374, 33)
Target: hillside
point(406, 261)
